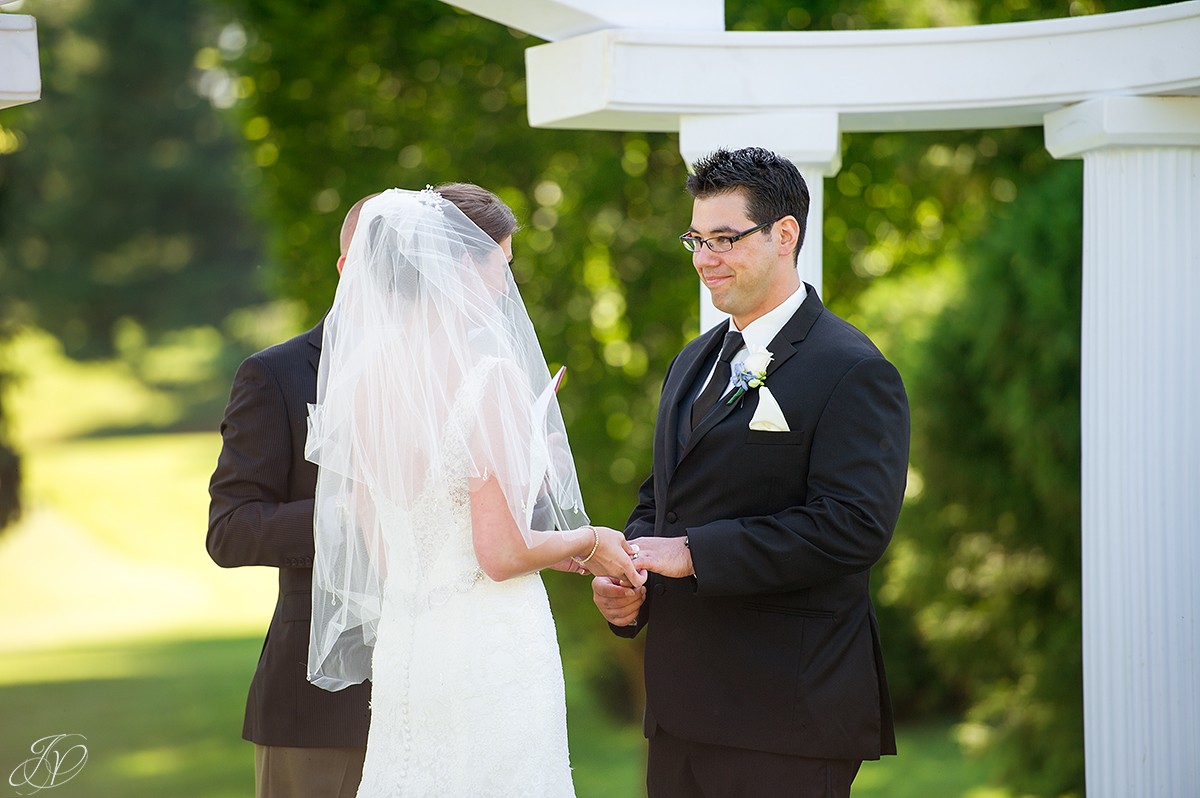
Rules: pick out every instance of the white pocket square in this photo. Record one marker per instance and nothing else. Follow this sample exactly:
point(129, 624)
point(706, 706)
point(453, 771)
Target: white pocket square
point(768, 417)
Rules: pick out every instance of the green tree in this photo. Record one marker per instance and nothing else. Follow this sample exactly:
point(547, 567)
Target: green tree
point(989, 561)
point(10, 465)
point(903, 225)
point(10, 486)
point(10, 462)
point(123, 212)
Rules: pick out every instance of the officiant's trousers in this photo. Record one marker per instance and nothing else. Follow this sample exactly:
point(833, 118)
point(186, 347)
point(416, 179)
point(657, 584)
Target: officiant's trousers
point(288, 772)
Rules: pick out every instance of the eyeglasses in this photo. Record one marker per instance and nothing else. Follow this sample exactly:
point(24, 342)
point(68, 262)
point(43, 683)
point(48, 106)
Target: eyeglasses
point(719, 243)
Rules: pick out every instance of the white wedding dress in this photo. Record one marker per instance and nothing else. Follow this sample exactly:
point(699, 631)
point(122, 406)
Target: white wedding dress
point(467, 688)
point(430, 383)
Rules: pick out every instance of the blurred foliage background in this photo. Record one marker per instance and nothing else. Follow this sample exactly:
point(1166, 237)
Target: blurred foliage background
point(173, 201)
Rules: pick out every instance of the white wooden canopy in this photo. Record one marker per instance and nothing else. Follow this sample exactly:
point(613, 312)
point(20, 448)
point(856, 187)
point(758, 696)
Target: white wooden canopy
point(921, 79)
point(20, 78)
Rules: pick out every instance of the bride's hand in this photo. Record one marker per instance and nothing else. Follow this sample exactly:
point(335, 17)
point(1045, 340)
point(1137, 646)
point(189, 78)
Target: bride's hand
point(612, 557)
point(569, 566)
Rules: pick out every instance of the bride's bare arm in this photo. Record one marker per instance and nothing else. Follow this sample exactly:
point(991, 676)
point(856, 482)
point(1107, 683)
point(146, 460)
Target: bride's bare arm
point(503, 554)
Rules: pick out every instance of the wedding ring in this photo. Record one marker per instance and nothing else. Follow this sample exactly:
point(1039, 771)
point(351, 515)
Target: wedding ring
point(633, 556)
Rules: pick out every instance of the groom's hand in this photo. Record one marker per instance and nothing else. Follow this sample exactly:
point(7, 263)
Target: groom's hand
point(666, 556)
point(617, 602)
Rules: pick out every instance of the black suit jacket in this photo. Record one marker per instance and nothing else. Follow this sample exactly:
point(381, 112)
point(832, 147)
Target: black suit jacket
point(261, 513)
point(773, 645)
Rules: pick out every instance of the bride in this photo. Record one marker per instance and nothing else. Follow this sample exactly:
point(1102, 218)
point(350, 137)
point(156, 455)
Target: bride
point(445, 484)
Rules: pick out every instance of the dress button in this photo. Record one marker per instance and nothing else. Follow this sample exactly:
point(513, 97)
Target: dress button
point(659, 589)
point(671, 517)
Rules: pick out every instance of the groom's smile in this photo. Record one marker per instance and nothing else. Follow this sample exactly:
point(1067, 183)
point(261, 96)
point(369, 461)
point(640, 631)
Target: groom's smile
point(714, 279)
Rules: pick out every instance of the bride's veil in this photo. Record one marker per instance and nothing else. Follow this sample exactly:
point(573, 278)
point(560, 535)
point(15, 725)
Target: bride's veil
point(428, 354)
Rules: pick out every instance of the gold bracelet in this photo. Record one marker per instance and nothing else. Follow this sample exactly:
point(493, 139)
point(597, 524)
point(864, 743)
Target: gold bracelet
point(595, 546)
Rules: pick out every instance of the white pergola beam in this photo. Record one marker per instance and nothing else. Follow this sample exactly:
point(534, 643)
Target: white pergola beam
point(554, 20)
point(1123, 122)
point(922, 79)
point(20, 76)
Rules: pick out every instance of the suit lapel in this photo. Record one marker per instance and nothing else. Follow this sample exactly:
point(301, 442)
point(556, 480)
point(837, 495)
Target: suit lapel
point(315, 336)
point(683, 377)
point(783, 346)
point(714, 417)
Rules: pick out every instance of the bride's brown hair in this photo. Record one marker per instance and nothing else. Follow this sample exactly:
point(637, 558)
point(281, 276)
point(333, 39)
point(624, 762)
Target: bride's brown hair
point(483, 208)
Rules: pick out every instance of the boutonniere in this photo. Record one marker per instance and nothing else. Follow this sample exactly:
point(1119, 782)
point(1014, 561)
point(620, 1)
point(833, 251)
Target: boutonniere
point(751, 372)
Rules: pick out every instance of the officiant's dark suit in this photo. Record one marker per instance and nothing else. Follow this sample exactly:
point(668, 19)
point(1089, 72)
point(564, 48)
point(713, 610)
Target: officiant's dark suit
point(261, 513)
point(764, 671)
point(309, 742)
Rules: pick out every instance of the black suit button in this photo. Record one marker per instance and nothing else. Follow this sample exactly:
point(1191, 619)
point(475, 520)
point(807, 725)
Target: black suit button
point(671, 517)
point(659, 589)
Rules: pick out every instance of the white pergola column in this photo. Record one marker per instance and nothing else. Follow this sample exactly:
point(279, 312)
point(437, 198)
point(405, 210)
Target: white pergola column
point(1140, 439)
point(809, 139)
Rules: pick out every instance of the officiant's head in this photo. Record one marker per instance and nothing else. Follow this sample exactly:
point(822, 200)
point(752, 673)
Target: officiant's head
point(748, 221)
point(348, 228)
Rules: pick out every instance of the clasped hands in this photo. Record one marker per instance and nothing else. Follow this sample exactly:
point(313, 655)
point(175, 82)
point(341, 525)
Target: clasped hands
point(613, 557)
point(627, 562)
point(619, 599)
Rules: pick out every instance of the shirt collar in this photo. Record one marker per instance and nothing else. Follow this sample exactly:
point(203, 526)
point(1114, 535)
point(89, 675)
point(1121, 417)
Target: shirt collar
point(762, 331)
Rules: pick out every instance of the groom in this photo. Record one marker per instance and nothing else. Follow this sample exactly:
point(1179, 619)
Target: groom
point(770, 500)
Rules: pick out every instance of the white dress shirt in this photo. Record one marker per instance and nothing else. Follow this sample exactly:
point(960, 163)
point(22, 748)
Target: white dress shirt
point(762, 331)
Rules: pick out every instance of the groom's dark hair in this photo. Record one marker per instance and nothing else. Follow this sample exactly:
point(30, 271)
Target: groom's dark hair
point(482, 207)
point(773, 185)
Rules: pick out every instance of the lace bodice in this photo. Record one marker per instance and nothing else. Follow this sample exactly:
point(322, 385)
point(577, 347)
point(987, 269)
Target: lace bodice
point(436, 541)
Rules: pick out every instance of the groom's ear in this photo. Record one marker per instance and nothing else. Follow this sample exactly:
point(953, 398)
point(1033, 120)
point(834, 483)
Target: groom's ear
point(788, 230)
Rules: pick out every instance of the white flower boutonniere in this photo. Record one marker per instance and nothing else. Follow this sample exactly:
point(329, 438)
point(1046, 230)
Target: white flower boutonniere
point(751, 372)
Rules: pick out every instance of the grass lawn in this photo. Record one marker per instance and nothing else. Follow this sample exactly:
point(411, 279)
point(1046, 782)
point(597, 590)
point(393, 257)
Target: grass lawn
point(162, 718)
point(119, 628)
